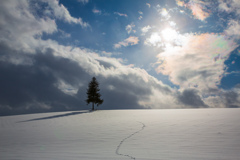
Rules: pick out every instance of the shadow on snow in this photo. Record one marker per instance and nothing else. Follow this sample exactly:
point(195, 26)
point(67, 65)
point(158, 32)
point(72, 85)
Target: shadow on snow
point(56, 116)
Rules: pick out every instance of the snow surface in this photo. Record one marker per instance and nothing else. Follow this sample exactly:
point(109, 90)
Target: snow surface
point(184, 134)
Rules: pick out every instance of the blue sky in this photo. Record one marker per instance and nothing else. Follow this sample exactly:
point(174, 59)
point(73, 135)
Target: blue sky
point(145, 54)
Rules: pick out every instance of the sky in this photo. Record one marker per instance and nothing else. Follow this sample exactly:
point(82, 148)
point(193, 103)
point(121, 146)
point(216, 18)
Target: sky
point(145, 54)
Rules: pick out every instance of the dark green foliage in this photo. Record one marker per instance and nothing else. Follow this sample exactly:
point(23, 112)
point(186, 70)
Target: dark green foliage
point(93, 95)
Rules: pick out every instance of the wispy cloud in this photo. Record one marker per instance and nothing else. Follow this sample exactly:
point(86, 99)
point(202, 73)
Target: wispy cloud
point(145, 29)
point(198, 63)
point(198, 11)
point(66, 88)
point(64, 34)
point(97, 11)
point(172, 23)
point(197, 7)
point(129, 41)
point(148, 4)
point(223, 6)
point(154, 40)
point(230, 6)
point(61, 12)
point(83, 1)
point(129, 28)
point(233, 29)
point(121, 14)
point(163, 12)
point(180, 3)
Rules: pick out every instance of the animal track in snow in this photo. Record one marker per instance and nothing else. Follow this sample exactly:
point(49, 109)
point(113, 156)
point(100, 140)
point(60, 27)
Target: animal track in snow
point(123, 140)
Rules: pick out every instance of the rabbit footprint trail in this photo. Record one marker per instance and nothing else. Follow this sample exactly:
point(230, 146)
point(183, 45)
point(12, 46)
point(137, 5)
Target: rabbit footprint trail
point(123, 140)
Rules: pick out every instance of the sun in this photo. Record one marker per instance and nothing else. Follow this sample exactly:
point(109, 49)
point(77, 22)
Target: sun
point(169, 34)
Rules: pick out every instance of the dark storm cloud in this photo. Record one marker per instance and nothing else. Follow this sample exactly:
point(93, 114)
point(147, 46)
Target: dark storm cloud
point(122, 93)
point(231, 99)
point(60, 67)
point(33, 86)
point(28, 88)
point(106, 65)
point(191, 98)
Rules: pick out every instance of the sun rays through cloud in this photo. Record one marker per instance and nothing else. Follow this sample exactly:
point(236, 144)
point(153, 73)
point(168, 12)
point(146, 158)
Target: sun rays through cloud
point(153, 54)
point(199, 63)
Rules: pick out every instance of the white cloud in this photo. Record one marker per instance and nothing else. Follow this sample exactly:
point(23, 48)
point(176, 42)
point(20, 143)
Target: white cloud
point(149, 5)
point(233, 29)
point(129, 28)
point(61, 12)
point(97, 11)
point(129, 41)
point(66, 88)
point(64, 34)
point(145, 29)
point(121, 14)
point(22, 27)
point(107, 54)
point(19, 25)
point(172, 23)
point(169, 34)
point(229, 6)
point(163, 12)
point(154, 40)
point(197, 7)
point(223, 6)
point(198, 63)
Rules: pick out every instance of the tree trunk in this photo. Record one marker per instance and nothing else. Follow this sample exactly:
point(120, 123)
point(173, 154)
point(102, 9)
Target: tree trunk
point(92, 106)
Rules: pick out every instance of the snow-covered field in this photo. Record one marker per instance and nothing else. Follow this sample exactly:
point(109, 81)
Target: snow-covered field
point(184, 134)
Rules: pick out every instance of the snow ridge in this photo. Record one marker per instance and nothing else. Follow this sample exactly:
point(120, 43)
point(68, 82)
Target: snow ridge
point(123, 140)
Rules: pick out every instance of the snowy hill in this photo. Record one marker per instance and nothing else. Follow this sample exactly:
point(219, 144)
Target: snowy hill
point(187, 134)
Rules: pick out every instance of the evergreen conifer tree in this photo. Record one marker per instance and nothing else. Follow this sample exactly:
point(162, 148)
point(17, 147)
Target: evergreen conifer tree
point(93, 95)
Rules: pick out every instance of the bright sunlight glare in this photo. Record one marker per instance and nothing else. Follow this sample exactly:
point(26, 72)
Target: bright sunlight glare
point(169, 34)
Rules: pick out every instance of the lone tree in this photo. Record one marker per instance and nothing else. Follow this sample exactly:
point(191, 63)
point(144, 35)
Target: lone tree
point(93, 95)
